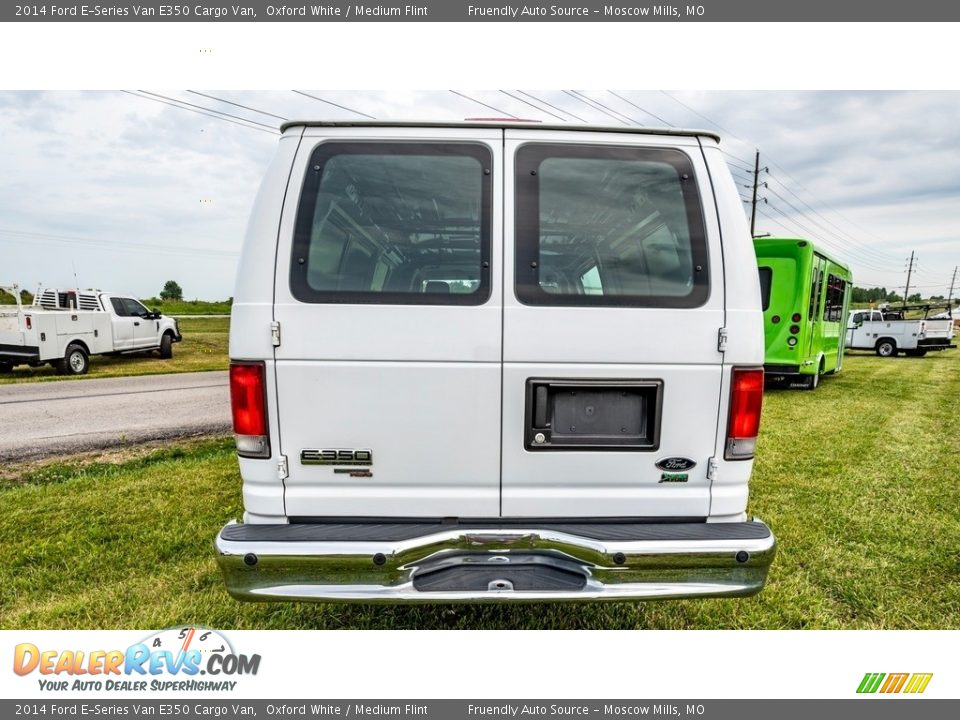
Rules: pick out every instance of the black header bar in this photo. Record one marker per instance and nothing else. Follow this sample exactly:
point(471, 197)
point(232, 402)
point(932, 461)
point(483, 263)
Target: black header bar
point(489, 11)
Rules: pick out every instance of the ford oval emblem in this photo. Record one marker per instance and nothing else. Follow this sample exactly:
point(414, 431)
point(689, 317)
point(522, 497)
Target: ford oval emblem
point(676, 463)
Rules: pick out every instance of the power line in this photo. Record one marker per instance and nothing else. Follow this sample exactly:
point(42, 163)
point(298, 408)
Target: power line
point(489, 107)
point(336, 105)
point(544, 102)
point(201, 107)
point(880, 255)
point(575, 97)
point(777, 222)
point(849, 252)
point(47, 238)
point(745, 164)
point(235, 104)
point(808, 233)
point(653, 115)
point(539, 109)
point(699, 114)
point(603, 106)
point(199, 112)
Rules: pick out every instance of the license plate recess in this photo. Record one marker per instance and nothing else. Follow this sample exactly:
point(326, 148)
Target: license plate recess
point(593, 414)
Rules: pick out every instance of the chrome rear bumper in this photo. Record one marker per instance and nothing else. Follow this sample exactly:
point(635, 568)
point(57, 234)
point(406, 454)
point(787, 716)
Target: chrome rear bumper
point(495, 563)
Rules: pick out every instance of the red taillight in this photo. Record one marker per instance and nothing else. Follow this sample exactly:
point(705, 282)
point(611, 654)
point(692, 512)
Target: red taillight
point(29, 322)
point(746, 401)
point(248, 400)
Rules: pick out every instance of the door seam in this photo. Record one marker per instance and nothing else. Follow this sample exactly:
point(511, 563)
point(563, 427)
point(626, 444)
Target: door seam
point(503, 296)
point(723, 359)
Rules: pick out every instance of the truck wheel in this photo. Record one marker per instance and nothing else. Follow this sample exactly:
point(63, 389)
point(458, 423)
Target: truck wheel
point(812, 381)
point(886, 348)
point(75, 362)
point(166, 346)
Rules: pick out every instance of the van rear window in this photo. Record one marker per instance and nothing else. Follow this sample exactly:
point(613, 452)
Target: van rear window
point(394, 223)
point(609, 225)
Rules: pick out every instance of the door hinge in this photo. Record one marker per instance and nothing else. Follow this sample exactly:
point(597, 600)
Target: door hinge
point(283, 470)
point(275, 333)
point(722, 340)
point(712, 469)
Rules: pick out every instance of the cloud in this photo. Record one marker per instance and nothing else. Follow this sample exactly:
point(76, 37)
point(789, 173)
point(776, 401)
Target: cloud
point(130, 192)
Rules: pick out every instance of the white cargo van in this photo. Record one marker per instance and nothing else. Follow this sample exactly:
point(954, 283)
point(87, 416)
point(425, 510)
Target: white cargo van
point(494, 360)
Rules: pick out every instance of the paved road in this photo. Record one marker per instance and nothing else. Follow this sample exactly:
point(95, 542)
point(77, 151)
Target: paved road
point(52, 418)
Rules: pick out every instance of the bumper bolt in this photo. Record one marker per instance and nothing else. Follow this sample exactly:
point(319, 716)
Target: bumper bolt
point(619, 558)
point(249, 559)
point(379, 559)
point(743, 556)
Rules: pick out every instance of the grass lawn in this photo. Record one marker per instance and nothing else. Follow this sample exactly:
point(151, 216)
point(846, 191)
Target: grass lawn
point(857, 479)
point(179, 308)
point(204, 347)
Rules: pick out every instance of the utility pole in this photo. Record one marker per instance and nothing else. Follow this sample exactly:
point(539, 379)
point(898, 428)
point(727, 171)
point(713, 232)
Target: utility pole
point(756, 184)
point(953, 281)
point(753, 203)
point(906, 292)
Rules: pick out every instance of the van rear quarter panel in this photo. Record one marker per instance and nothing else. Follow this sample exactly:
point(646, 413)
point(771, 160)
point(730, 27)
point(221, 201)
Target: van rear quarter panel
point(250, 320)
point(744, 323)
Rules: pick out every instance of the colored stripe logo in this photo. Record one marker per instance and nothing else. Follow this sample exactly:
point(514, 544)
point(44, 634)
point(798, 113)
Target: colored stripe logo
point(894, 683)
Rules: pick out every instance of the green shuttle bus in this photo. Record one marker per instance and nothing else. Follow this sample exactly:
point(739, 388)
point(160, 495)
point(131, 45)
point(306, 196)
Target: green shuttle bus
point(806, 295)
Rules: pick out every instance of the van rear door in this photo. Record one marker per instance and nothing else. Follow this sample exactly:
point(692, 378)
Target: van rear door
point(388, 295)
point(612, 372)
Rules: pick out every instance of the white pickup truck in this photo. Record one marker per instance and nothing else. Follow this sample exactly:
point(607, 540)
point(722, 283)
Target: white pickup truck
point(887, 332)
point(64, 328)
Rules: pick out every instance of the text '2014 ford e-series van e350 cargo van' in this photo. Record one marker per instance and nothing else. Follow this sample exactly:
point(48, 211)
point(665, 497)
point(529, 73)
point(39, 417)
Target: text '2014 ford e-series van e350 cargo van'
point(495, 361)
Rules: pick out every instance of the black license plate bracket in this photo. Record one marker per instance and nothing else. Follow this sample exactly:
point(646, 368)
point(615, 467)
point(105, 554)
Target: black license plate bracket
point(593, 414)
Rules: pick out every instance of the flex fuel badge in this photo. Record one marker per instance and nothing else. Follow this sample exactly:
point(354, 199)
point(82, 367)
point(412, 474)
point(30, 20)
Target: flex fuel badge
point(674, 477)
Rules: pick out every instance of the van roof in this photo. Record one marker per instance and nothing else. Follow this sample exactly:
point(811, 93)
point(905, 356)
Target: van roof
point(502, 123)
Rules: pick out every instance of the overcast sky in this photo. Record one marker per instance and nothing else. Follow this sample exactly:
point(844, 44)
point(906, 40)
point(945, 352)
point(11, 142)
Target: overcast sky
point(126, 192)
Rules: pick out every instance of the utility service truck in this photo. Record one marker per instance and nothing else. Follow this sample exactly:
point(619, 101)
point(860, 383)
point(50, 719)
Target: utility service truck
point(65, 327)
point(495, 361)
point(888, 332)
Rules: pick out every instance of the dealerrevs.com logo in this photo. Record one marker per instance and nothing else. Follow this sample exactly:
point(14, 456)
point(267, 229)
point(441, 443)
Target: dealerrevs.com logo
point(889, 683)
point(173, 659)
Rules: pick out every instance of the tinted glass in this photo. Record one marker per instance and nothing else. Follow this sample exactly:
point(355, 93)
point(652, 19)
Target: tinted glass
point(394, 223)
point(133, 307)
point(118, 307)
point(604, 225)
point(836, 290)
point(766, 277)
point(816, 285)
